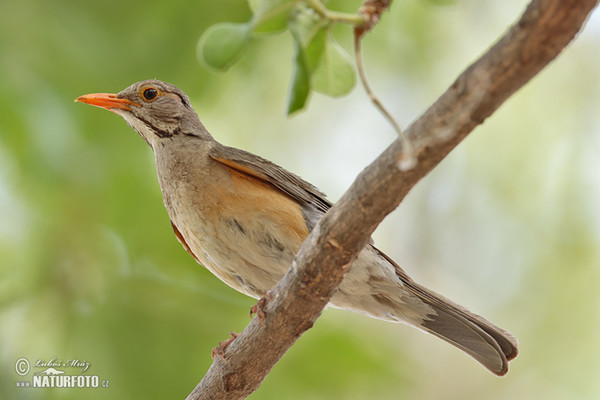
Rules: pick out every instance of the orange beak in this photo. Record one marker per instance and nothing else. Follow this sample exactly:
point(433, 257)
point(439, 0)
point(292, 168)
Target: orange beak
point(107, 101)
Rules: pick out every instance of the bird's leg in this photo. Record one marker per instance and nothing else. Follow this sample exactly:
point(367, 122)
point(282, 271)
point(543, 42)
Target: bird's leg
point(258, 307)
point(220, 349)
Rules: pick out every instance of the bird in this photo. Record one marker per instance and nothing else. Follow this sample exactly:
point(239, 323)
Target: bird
point(244, 218)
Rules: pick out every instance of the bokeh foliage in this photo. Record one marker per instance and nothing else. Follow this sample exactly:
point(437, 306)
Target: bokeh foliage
point(90, 270)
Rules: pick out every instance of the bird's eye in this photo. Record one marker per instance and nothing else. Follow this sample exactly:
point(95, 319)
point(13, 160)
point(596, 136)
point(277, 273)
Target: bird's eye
point(150, 94)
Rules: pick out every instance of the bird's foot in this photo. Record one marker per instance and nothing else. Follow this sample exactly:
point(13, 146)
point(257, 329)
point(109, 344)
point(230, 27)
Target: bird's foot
point(258, 308)
point(220, 349)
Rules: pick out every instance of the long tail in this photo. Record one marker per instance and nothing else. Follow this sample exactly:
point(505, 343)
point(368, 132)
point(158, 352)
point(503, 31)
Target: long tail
point(490, 345)
point(487, 343)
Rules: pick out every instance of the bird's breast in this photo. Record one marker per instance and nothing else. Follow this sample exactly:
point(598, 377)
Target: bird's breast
point(245, 231)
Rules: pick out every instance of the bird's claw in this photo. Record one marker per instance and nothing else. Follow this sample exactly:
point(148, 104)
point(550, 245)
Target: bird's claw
point(258, 308)
point(220, 349)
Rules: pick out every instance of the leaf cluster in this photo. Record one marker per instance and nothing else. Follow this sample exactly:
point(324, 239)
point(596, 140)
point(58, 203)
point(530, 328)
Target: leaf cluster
point(319, 62)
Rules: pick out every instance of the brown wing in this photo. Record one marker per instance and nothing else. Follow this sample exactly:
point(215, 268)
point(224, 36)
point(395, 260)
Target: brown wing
point(253, 165)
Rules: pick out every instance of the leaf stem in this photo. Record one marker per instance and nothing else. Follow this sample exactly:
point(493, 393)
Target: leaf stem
point(336, 16)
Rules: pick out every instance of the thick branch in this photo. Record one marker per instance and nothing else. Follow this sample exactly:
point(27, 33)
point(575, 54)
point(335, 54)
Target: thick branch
point(545, 28)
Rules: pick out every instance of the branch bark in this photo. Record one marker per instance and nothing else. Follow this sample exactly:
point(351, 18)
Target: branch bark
point(545, 28)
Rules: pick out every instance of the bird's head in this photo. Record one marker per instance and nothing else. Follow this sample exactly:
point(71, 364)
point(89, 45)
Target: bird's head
point(156, 110)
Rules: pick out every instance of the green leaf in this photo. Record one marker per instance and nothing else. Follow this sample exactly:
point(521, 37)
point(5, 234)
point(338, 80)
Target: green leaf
point(300, 88)
point(334, 74)
point(222, 44)
point(305, 25)
point(254, 5)
point(315, 48)
point(270, 16)
point(304, 22)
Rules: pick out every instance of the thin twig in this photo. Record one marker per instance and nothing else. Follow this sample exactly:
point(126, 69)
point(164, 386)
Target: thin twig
point(371, 11)
point(407, 159)
point(335, 16)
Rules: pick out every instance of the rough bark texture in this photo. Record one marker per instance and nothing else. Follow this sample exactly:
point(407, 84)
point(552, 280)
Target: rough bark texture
point(371, 11)
point(546, 27)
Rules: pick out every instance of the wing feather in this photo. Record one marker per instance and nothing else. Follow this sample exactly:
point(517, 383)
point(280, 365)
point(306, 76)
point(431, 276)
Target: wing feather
point(258, 167)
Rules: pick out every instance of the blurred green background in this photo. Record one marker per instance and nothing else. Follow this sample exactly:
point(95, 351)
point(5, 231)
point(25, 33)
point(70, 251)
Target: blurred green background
point(508, 225)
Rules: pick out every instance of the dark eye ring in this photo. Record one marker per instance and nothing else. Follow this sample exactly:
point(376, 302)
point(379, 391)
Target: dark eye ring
point(150, 93)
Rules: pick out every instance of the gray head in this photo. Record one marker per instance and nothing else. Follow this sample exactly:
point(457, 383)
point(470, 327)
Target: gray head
point(156, 110)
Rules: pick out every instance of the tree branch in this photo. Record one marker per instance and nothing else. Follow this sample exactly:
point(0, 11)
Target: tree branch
point(545, 28)
point(371, 11)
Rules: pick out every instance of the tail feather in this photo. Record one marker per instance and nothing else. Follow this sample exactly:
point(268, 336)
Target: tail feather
point(487, 343)
point(490, 345)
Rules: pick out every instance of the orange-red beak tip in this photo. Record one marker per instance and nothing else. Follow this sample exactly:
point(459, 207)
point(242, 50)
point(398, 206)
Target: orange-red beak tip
point(108, 101)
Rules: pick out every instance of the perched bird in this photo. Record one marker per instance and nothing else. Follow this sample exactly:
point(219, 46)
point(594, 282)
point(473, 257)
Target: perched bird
point(244, 218)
